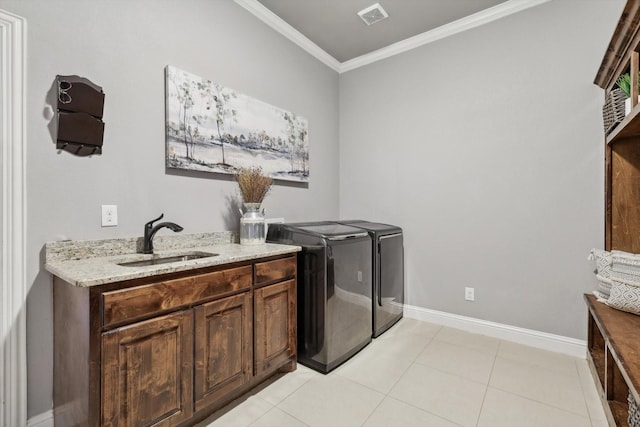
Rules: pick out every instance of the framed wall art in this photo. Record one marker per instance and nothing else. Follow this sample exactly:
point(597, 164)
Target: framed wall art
point(213, 128)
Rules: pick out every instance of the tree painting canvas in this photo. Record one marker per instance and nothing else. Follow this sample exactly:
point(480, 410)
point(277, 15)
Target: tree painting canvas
point(212, 128)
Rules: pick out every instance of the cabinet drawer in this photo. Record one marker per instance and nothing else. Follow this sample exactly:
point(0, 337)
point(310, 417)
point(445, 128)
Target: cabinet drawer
point(272, 271)
point(125, 305)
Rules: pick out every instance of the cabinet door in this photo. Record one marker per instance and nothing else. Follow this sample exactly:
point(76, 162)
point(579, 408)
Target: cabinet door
point(275, 325)
point(147, 372)
point(223, 347)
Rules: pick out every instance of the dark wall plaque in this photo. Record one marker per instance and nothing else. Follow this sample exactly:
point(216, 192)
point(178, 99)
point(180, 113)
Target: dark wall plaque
point(80, 106)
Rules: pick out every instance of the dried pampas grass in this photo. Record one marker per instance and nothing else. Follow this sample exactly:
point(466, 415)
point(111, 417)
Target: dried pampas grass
point(253, 185)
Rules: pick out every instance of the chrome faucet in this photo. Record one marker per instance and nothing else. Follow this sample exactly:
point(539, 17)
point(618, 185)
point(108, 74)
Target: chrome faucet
point(150, 231)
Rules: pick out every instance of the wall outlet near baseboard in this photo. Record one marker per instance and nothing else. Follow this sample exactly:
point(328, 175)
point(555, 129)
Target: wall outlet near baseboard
point(469, 294)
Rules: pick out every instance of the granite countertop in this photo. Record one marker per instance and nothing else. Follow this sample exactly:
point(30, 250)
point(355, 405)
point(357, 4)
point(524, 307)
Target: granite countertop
point(91, 263)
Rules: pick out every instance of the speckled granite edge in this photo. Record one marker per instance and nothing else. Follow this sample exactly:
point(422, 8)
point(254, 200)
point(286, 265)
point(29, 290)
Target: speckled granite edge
point(84, 249)
point(87, 272)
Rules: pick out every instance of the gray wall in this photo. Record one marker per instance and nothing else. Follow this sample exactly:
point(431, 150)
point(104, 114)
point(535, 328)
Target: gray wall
point(487, 148)
point(124, 46)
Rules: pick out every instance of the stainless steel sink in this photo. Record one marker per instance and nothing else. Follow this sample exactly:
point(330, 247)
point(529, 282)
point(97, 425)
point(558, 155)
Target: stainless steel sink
point(168, 259)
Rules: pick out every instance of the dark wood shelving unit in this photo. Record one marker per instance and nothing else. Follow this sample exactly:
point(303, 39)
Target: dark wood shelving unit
point(628, 128)
point(613, 335)
point(619, 411)
point(614, 357)
point(622, 145)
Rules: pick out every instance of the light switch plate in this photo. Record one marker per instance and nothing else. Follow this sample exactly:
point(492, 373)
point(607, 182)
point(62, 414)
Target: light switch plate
point(109, 215)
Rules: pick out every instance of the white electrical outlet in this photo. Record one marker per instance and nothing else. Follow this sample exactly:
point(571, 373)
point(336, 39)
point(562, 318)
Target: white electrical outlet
point(469, 294)
point(109, 215)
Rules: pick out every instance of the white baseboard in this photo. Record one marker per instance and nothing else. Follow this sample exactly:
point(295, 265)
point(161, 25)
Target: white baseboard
point(41, 420)
point(557, 343)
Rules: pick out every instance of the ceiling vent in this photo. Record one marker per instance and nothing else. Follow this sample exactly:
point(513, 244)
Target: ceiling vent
point(373, 14)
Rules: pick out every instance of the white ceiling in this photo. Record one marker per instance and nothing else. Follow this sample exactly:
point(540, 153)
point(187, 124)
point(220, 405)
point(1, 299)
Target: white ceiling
point(334, 25)
point(332, 31)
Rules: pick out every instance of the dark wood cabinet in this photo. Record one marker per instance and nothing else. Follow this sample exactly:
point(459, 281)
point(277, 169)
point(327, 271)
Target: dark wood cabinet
point(275, 329)
point(169, 350)
point(147, 372)
point(223, 347)
point(275, 315)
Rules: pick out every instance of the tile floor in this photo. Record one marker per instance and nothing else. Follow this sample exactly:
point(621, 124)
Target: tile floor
point(420, 374)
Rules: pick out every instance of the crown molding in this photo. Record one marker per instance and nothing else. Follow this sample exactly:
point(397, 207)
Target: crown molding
point(480, 18)
point(483, 17)
point(275, 22)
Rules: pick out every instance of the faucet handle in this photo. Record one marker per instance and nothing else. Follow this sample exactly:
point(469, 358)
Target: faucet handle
point(150, 223)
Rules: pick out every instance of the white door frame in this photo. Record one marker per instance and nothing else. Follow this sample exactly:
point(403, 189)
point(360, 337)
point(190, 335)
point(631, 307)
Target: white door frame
point(13, 285)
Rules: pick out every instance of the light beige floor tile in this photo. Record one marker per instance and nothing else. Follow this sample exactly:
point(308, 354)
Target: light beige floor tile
point(392, 412)
point(241, 415)
point(601, 422)
point(434, 376)
point(449, 396)
point(546, 359)
point(373, 370)
point(413, 327)
point(331, 401)
point(278, 390)
point(467, 339)
point(594, 404)
point(539, 384)
point(502, 409)
point(401, 346)
point(466, 362)
point(277, 418)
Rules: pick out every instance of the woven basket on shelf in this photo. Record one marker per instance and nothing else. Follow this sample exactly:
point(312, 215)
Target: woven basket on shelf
point(613, 110)
point(634, 412)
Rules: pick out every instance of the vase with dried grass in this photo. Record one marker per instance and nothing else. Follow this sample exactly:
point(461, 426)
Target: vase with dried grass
point(254, 186)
